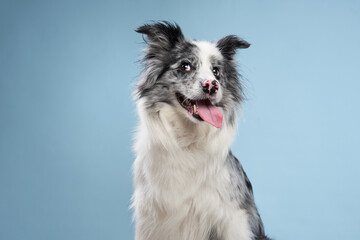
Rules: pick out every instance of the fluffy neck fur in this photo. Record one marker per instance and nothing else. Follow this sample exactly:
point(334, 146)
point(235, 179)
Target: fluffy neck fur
point(163, 130)
point(177, 162)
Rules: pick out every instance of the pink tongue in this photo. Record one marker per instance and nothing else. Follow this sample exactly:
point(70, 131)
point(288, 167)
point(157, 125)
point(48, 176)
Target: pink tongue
point(209, 113)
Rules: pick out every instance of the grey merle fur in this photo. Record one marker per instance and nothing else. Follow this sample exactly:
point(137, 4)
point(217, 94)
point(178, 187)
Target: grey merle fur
point(167, 47)
point(243, 195)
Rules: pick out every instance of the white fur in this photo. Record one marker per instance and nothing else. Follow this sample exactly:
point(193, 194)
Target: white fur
point(207, 51)
point(180, 174)
point(180, 181)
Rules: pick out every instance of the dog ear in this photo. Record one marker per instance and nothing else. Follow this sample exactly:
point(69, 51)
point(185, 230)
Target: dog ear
point(229, 44)
point(163, 35)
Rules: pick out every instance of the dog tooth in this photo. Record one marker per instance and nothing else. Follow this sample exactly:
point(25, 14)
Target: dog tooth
point(195, 110)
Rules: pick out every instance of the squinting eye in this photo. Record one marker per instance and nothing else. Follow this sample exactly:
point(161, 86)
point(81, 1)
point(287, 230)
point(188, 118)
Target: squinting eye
point(186, 67)
point(216, 72)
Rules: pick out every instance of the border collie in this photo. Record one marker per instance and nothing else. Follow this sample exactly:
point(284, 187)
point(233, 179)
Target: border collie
point(187, 183)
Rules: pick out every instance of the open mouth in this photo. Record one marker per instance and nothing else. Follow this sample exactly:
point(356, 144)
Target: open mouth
point(189, 105)
point(202, 110)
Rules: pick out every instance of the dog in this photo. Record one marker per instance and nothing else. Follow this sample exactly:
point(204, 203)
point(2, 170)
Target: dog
point(187, 183)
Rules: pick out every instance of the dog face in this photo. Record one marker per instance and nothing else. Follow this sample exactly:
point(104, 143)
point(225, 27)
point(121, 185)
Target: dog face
point(198, 78)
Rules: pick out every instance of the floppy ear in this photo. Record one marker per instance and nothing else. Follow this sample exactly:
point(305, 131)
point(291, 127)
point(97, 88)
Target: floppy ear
point(161, 38)
point(163, 35)
point(229, 44)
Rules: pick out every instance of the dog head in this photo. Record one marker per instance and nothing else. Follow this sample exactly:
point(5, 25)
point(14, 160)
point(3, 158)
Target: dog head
point(199, 78)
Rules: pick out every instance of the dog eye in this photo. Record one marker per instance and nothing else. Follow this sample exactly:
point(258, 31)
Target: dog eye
point(185, 66)
point(216, 72)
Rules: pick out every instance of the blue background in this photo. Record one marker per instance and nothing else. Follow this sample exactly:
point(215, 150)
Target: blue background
point(67, 70)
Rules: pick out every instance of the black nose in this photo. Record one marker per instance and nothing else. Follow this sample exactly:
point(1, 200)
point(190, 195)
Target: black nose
point(210, 86)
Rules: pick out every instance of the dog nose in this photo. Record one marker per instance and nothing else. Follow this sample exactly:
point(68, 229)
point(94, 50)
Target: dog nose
point(210, 86)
